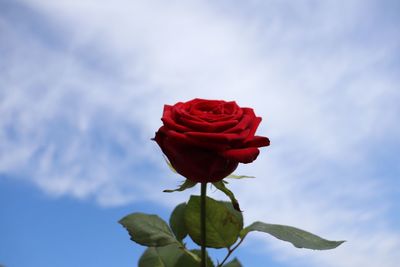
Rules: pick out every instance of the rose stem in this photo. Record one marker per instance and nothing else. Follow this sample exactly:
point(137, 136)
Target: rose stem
point(203, 223)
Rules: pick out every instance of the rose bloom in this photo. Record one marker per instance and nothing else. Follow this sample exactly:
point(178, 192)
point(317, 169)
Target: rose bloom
point(205, 140)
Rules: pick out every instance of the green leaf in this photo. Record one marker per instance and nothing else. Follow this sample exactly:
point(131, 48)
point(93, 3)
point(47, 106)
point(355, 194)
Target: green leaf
point(190, 253)
point(234, 212)
point(234, 263)
point(222, 225)
point(187, 261)
point(177, 221)
point(170, 256)
point(166, 256)
point(299, 238)
point(234, 176)
point(185, 185)
point(221, 186)
point(148, 230)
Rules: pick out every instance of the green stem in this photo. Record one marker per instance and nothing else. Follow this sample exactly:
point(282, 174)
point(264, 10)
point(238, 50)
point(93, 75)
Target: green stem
point(203, 224)
point(230, 252)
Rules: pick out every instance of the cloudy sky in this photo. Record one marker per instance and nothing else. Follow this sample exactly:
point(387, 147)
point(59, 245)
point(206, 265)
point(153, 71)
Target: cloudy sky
point(83, 84)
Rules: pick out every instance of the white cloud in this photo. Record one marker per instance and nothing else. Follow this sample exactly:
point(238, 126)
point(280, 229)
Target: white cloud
point(82, 93)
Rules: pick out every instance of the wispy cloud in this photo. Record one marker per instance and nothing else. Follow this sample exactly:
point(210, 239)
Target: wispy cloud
point(83, 84)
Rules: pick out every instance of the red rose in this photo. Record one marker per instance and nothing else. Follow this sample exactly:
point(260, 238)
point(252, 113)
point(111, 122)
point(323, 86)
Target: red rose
point(205, 140)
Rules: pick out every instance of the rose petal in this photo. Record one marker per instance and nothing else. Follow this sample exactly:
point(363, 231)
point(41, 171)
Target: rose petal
point(201, 105)
point(167, 118)
point(211, 116)
point(207, 126)
point(243, 155)
point(258, 141)
point(253, 128)
point(242, 125)
point(168, 122)
point(180, 113)
point(249, 111)
point(195, 163)
point(203, 166)
point(180, 110)
point(218, 137)
point(212, 110)
point(185, 139)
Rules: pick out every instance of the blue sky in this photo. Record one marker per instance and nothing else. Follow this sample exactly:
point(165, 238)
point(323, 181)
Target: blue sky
point(82, 86)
